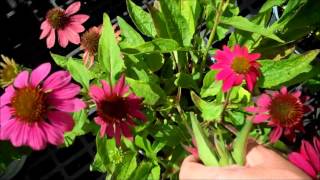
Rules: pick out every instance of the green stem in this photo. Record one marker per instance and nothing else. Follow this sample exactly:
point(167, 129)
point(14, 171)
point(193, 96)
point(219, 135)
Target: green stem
point(225, 105)
point(180, 111)
point(213, 32)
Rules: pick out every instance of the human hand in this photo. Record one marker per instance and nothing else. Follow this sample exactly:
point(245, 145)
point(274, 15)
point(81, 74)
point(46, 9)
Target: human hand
point(261, 163)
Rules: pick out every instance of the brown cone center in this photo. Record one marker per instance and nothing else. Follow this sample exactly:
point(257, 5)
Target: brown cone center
point(240, 65)
point(57, 18)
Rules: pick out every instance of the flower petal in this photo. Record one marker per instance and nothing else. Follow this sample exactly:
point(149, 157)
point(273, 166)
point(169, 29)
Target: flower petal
point(5, 114)
point(296, 94)
point(69, 105)
point(22, 80)
point(51, 39)
point(56, 80)
point(53, 134)
point(72, 36)
point(260, 118)
point(38, 74)
point(37, 138)
point(67, 92)
point(118, 135)
point(120, 85)
point(79, 18)
point(126, 130)
point(76, 27)
point(73, 8)
point(96, 93)
point(310, 154)
point(275, 134)
point(62, 38)
point(224, 74)
point(228, 83)
point(137, 114)
point(6, 96)
point(283, 90)
point(61, 120)
point(6, 129)
point(264, 100)
point(302, 163)
point(254, 56)
point(17, 136)
point(106, 88)
point(110, 130)
point(45, 32)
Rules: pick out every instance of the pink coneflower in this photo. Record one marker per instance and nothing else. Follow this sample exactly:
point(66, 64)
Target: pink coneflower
point(235, 66)
point(309, 158)
point(90, 42)
point(282, 110)
point(35, 109)
point(67, 25)
point(116, 109)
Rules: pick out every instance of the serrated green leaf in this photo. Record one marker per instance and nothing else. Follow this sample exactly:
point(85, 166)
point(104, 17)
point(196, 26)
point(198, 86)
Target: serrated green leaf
point(130, 36)
point(240, 143)
point(242, 23)
point(109, 52)
point(159, 45)
point(186, 81)
point(210, 111)
point(151, 92)
point(79, 72)
point(277, 72)
point(141, 19)
point(205, 148)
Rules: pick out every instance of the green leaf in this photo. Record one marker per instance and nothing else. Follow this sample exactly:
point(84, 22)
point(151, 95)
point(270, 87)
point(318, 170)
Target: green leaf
point(210, 111)
point(142, 172)
point(109, 52)
point(210, 87)
point(270, 4)
point(150, 91)
point(159, 45)
point(141, 19)
point(130, 36)
point(136, 68)
point(239, 93)
point(277, 72)
point(144, 144)
point(79, 72)
point(242, 23)
point(60, 60)
point(128, 166)
point(159, 22)
point(205, 148)
point(81, 120)
point(154, 61)
point(240, 143)
point(155, 173)
point(186, 81)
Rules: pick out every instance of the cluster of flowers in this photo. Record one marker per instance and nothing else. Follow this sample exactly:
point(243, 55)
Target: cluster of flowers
point(35, 109)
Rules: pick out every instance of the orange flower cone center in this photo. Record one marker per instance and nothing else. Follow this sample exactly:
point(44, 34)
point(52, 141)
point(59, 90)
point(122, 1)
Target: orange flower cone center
point(29, 104)
point(240, 65)
point(286, 110)
point(57, 18)
point(114, 108)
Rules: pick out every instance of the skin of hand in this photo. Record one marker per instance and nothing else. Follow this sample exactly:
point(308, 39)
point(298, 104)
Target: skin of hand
point(261, 163)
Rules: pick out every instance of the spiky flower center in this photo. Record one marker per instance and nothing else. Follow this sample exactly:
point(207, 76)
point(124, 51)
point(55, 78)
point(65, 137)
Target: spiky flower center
point(286, 110)
point(240, 65)
point(57, 18)
point(8, 72)
point(114, 107)
point(29, 104)
point(90, 40)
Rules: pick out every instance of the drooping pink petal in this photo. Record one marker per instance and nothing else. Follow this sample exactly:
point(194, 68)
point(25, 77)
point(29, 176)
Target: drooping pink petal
point(79, 18)
point(96, 93)
point(76, 27)
point(264, 100)
point(249, 82)
point(316, 142)
point(38, 74)
point(62, 38)
point(137, 114)
point(118, 135)
point(310, 154)
point(239, 79)
point(110, 130)
point(51, 39)
point(72, 36)
point(300, 162)
point(254, 56)
point(73, 8)
point(103, 129)
point(53, 134)
point(260, 118)
point(36, 138)
point(224, 74)
point(66, 92)
point(67, 105)
point(6, 96)
point(45, 25)
point(56, 80)
point(283, 90)
point(17, 136)
point(7, 128)
point(119, 86)
point(296, 94)
point(61, 120)
point(106, 88)
point(45, 32)
point(98, 120)
point(5, 114)
point(126, 130)
point(22, 80)
point(228, 83)
point(275, 134)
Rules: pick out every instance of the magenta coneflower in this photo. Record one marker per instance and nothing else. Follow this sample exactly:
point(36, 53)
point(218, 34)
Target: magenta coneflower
point(282, 110)
point(35, 109)
point(116, 108)
point(235, 66)
point(90, 42)
point(308, 159)
point(67, 25)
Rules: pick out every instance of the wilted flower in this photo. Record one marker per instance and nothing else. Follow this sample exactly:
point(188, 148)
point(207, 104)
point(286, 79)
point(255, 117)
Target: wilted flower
point(116, 109)
point(282, 110)
point(65, 23)
point(35, 110)
point(235, 66)
point(9, 70)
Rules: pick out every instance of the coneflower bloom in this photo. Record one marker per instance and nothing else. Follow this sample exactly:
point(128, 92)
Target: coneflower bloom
point(235, 66)
point(35, 110)
point(283, 110)
point(65, 23)
point(308, 159)
point(90, 42)
point(9, 70)
point(116, 108)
